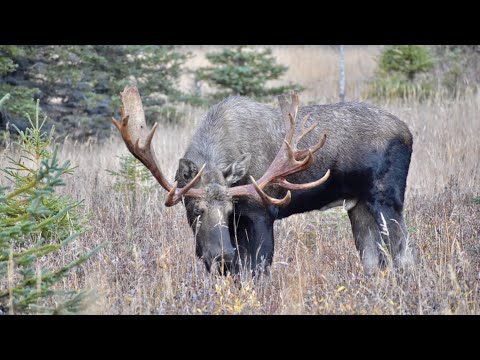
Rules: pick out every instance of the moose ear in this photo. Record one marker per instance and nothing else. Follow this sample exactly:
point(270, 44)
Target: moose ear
point(238, 169)
point(186, 171)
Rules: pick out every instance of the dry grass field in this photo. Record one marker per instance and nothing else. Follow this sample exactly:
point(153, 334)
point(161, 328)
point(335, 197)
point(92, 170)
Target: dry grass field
point(149, 266)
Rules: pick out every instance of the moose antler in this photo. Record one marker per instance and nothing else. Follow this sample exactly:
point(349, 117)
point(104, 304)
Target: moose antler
point(289, 160)
point(138, 139)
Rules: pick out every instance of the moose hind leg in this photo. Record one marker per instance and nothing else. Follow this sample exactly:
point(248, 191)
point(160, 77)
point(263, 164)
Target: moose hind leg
point(393, 232)
point(387, 196)
point(367, 237)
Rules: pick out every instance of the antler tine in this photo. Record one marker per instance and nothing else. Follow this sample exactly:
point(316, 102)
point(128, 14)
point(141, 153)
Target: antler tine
point(116, 123)
point(289, 113)
point(122, 123)
point(306, 132)
point(268, 199)
point(320, 143)
point(301, 153)
point(288, 185)
point(148, 139)
point(305, 119)
point(291, 153)
point(170, 199)
point(291, 131)
point(294, 106)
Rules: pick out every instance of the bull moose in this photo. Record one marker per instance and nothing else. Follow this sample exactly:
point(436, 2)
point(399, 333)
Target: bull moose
point(247, 165)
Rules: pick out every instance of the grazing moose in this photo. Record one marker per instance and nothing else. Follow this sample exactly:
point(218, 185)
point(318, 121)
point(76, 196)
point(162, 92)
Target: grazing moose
point(247, 166)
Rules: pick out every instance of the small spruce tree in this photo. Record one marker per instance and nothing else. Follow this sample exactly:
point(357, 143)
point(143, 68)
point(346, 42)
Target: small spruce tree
point(406, 60)
point(398, 72)
point(131, 177)
point(244, 71)
point(131, 181)
point(34, 222)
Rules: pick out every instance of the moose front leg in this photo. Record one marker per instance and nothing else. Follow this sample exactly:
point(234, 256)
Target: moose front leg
point(253, 238)
point(261, 244)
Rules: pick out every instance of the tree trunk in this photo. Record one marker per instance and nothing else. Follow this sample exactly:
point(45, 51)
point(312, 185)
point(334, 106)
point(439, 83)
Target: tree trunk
point(342, 74)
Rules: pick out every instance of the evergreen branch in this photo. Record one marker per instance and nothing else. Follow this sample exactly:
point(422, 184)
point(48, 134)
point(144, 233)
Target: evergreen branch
point(51, 276)
point(8, 222)
point(23, 189)
point(43, 250)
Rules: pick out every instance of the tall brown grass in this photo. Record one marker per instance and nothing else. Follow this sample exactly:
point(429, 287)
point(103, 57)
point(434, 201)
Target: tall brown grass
point(150, 266)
